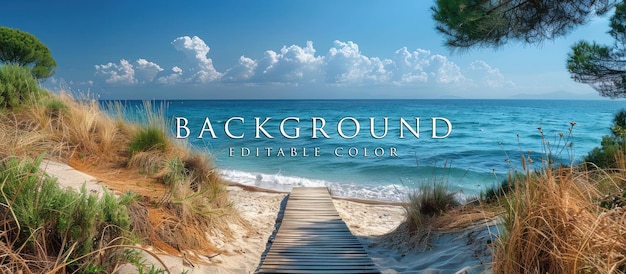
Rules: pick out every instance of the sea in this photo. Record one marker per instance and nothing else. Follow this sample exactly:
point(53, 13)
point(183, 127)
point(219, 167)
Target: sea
point(384, 149)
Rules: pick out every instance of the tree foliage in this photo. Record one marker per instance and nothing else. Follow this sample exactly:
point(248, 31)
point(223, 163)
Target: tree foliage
point(603, 67)
point(17, 86)
point(24, 49)
point(469, 23)
point(605, 156)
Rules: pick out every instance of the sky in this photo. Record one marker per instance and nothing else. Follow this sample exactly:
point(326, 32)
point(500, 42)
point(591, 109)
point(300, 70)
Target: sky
point(283, 50)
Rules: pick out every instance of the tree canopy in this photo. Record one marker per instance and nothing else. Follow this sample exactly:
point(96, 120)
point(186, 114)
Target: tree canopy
point(24, 49)
point(483, 23)
point(603, 67)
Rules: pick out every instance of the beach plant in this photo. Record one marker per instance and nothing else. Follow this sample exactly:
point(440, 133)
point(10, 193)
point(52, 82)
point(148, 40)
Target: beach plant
point(611, 146)
point(179, 216)
point(17, 86)
point(57, 228)
point(563, 219)
point(148, 138)
point(23, 49)
point(429, 199)
point(555, 223)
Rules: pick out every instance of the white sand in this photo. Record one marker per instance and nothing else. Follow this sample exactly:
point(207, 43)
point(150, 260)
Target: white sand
point(68, 177)
point(445, 252)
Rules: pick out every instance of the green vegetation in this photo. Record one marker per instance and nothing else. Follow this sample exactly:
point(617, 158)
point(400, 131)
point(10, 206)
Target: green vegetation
point(507, 185)
point(429, 200)
point(470, 23)
point(147, 139)
point(555, 222)
point(50, 223)
point(23, 49)
point(602, 66)
point(606, 156)
point(51, 230)
point(17, 86)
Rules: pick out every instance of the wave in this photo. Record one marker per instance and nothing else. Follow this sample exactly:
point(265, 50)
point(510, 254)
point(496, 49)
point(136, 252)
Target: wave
point(279, 182)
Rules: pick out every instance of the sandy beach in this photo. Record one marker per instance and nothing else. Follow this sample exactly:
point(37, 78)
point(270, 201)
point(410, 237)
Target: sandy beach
point(373, 223)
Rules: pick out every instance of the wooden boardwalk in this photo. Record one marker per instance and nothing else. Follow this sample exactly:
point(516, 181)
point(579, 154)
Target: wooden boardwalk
point(312, 238)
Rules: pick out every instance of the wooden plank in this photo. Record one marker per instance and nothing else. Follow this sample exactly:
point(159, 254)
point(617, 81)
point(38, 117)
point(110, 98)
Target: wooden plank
point(312, 238)
point(311, 271)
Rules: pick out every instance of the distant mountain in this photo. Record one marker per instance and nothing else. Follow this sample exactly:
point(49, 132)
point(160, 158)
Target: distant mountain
point(559, 95)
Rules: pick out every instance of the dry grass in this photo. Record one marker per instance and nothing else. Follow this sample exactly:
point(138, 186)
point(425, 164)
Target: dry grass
point(555, 224)
point(177, 213)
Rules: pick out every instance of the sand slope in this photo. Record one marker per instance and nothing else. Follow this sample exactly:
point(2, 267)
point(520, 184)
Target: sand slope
point(446, 252)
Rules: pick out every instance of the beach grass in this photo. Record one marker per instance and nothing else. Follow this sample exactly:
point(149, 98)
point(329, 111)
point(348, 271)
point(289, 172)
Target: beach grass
point(47, 228)
point(555, 223)
point(182, 202)
point(564, 218)
point(560, 218)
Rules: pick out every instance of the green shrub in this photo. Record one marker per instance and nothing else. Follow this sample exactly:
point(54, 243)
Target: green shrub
point(17, 86)
point(605, 155)
point(59, 222)
point(428, 200)
point(54, 106)
point(507, 185)
point(147, 139)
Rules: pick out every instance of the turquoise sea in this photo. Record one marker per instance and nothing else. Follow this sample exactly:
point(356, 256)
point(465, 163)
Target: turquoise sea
point(487, 139)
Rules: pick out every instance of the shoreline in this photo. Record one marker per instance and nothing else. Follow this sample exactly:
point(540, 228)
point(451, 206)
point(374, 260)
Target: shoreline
point(350, 199)
point(377, 225)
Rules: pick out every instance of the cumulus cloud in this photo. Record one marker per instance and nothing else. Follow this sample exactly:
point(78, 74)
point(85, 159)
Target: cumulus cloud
point(196, 52)
point(174, 78)
point(122, 74)
point(485, 75)
point(346, 64)
point(125, 73)
point(242, 71)
point(343, 64)
point(293, 64)
point(146, 71)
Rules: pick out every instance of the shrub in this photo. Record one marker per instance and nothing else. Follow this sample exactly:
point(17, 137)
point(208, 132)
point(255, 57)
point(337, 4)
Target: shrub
point(554, 223)
point(605, 155)
point(46, 222)
point(147, 139)
point(17, 86)
point(428, 200)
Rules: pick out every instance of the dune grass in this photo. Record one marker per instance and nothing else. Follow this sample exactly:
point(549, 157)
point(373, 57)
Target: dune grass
point(557, 220)
point(555, 224)
point(46, 227)
point(560, 218)
point(427, 201)
point(182, 203)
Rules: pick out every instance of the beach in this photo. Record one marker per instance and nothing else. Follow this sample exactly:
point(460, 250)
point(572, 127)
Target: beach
point(373, 223)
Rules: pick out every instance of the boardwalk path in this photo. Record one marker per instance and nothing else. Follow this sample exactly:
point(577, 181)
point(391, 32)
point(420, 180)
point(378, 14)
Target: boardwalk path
point(313, 239)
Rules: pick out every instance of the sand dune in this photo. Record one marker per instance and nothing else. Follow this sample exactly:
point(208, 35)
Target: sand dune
point(462, 251)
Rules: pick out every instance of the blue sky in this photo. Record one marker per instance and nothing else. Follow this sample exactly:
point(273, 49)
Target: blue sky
point(282, 49)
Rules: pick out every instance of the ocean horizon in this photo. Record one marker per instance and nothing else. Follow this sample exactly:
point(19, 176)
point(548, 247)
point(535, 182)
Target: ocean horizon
point(380, 149)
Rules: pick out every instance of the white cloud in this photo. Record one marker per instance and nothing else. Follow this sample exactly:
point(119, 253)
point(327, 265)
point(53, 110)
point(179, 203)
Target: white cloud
point(126, 73)
point(485, 75)
point(445, 71)
point(293, 64)
point(343, 64)
point(146, 71)
point(346, 64)
point(122, 74)
point(196, 51)
point(173, 78)
point(242, 71)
